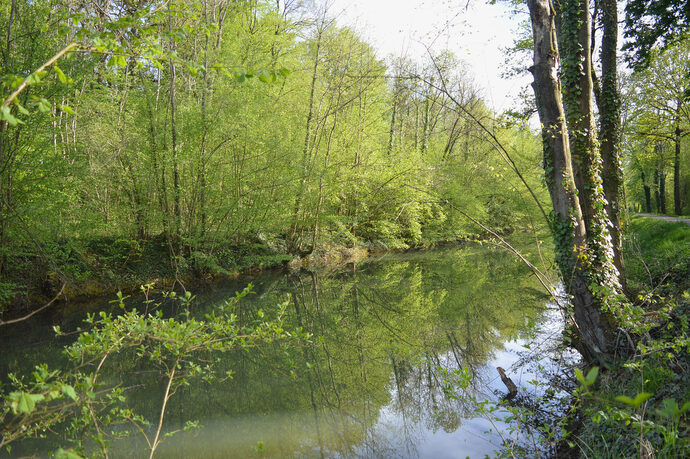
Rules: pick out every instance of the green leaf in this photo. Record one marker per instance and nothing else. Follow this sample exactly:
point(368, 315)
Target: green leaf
point(60, 74)
point(34, 78)
point(16, 82)
point(66, 454)
point(637, 401)
point(43, 105)
point(7, 116)
point(21, 108)
point(670, 409)
point(685, 407)
point(264, 77)
point(580, 377)
point(66, 109)
point(23, 402)
point(592, 376)
point(69, 391)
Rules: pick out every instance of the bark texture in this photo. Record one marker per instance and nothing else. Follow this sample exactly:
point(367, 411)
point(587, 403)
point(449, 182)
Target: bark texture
point(609, 110)
point(568, 224)
point(677, 205)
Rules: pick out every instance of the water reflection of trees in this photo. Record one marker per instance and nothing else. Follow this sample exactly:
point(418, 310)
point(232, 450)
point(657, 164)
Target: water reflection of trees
point(370, 383)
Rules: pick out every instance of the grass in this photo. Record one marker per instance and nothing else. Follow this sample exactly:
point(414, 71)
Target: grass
point(658, 271)
point(657, 255)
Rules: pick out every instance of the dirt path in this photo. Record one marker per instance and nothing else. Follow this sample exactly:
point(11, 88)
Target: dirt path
point(667, 218)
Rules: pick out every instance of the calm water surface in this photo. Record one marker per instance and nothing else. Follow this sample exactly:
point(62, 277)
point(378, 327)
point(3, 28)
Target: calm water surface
point(369, 384)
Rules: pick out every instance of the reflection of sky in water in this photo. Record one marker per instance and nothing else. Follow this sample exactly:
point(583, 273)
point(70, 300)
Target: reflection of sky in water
point(393, 434)
point(386, 415)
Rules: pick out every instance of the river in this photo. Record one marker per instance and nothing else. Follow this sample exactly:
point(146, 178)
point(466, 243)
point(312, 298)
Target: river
point(370, 383)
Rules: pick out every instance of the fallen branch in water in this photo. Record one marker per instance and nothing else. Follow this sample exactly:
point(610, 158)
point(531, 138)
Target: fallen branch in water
point(21, 319)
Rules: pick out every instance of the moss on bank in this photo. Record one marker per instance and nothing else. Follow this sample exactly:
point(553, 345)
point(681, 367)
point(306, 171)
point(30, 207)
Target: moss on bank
point(96, 267)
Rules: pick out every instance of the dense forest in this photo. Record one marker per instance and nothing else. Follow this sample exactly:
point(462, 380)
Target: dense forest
point(155, 146)
point(200, 126)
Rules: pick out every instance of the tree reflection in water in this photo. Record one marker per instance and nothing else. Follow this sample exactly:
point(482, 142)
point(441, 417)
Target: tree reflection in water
point(370, 383)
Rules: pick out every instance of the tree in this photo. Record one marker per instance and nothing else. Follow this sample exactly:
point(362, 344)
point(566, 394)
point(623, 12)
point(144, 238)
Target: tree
point(609, 103)
point(579, 222)
point(653, 23)
point(658, 97)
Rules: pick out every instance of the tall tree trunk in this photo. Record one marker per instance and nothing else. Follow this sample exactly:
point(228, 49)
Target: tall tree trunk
point(609, 113)
point(173, 136)
point(5, 151)
point(568, 224)
point(424, 146)
point(677, 205)
point(657, 201)
point(662, 191)
point(176, 172)
point(578, 100)
point(294, 244)
point(647, 194)
point(391, 134)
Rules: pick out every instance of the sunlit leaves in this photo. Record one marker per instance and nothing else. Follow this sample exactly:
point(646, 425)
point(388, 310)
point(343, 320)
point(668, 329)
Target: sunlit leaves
point(6, 115)
point(634, 402)
point(588, 380)
point(60, 74)
point(66, 454)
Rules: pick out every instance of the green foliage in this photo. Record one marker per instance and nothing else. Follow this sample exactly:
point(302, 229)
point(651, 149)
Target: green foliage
point(182, 350)
point(97, 190)
point(651, 25)
point(659, 255)
point(638, 405)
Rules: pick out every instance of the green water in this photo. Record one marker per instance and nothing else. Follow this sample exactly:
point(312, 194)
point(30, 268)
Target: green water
point(368, 385)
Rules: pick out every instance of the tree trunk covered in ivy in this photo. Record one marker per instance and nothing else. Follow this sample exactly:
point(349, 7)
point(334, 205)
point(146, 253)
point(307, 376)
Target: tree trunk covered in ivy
point(584, 257)
point(609, 112)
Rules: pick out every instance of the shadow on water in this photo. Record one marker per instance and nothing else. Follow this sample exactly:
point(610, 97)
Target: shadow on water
point(370, 383)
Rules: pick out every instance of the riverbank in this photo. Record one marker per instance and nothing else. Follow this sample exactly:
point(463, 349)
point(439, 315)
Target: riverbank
point(83, 270)
point(640, 406)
